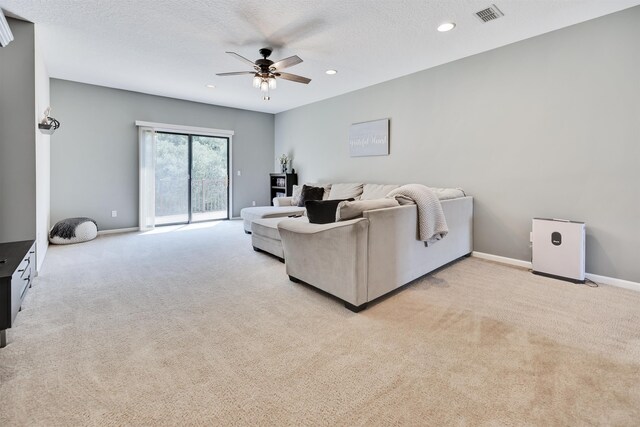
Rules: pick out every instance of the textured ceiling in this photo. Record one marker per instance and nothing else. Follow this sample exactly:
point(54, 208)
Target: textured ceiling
point(175, 47)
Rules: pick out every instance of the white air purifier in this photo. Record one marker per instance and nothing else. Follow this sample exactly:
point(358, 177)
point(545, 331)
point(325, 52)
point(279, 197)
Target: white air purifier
point(559, 248)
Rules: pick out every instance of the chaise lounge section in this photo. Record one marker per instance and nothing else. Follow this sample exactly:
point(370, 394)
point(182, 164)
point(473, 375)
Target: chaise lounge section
point(265, 236)
point(249, 215)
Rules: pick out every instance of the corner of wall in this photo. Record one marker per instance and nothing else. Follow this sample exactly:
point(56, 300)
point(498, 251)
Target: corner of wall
point(43, 156)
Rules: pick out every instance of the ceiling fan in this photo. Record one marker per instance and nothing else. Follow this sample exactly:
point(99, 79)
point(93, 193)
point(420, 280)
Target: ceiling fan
point(265, 71)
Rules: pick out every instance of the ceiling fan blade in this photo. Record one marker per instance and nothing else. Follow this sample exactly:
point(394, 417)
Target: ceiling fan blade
point(236, 73)
point(293, 78)
point(286, 62)
point(242, 58)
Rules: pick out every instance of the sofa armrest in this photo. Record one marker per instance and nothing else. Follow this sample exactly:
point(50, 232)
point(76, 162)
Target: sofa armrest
point(331, 257)
point(305, 227)
point(282, 201)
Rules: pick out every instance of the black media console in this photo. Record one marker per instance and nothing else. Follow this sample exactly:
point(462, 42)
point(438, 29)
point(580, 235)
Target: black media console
point(17, 269)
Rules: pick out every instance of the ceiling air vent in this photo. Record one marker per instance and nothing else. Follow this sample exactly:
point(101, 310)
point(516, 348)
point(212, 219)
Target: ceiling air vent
point(489, 14)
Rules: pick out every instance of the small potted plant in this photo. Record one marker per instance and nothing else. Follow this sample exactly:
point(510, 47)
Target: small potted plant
point(284, 159)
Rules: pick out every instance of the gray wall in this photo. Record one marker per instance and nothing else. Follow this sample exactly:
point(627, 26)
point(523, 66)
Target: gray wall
point(546, 127)
point(94, 154)
point(18, 135)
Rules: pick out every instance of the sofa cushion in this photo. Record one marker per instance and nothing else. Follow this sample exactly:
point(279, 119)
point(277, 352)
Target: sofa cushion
point(448, 193)
point(267, 227)
point(310, 193)
point(280, 202)
point(254, 213)
point(345, 191)
point(376, 191)
point(348, 210)
point(322, 211)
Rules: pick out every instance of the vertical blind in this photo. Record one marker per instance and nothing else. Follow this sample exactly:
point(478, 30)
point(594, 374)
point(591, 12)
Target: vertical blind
point(147, 141)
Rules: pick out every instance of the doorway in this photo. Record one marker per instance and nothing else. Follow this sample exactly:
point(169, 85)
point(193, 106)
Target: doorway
point(191, 178)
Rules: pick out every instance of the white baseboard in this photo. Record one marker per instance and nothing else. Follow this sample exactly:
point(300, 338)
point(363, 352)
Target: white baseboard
point(501, 259)
point(605, 280)
point(119, 230)
point(612, 281)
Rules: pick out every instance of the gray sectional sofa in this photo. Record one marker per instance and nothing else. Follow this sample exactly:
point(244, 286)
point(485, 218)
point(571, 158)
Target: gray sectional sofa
point(287, 206)
point(361, 259)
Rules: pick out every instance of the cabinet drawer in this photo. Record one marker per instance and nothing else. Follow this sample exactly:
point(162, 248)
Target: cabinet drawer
point(21, 280)
point(27, 277)
point(19, 284)
point(24, 266)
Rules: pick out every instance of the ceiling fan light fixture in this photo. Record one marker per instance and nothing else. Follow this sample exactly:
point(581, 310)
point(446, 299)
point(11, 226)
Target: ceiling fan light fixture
point(272, 82)
point(266, 98)
point(264, 86)
point(256, 81)
point(446, 26)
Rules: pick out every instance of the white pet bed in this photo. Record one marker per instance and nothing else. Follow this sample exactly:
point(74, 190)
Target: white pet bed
point(73, 230)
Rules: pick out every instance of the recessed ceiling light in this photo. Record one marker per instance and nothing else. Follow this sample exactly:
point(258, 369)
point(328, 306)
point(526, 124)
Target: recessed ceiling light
point(211, 86)
point(331, 72)
point(446, 26)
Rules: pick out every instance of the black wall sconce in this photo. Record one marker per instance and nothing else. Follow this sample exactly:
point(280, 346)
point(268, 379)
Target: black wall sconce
point(48, 125)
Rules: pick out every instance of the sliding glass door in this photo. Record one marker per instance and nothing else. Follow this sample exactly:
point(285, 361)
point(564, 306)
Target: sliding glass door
point(209, 178)
point(172, 178)
point(192, 178)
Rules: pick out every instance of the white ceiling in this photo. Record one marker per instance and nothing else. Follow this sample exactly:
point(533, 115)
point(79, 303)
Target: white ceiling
point(175, 47)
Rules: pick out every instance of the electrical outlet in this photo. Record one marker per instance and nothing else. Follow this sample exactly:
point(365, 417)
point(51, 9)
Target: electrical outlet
point(114, 214)
point(253, 203)
point(238, 173)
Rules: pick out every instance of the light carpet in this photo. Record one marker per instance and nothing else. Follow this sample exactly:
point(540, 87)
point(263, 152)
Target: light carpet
point(190, 326)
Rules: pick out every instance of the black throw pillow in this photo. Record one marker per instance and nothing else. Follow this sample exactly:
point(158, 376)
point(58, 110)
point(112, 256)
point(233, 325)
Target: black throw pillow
point(323, 211)
point(310, 193)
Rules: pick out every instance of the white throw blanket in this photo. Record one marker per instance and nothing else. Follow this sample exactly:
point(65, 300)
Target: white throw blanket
point(432, 225)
